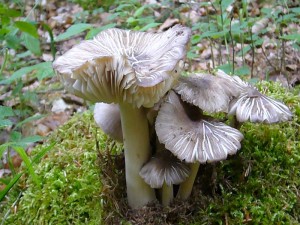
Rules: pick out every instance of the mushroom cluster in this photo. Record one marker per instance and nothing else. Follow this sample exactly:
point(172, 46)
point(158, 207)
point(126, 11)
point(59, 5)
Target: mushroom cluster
point(160, 116)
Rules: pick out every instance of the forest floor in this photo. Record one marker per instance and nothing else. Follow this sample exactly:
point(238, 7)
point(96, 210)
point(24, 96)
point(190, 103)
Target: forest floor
point(268, 57)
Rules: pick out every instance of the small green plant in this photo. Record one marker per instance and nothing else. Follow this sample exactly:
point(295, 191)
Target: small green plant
point(17, 143)
point(94, 4)
point(19, 39)
point(17, 33)
point(230, 25)
point(222, 28)
point(126, 14)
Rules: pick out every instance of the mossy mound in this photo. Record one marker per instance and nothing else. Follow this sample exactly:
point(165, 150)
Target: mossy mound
point(73, 175)
point(83, 184)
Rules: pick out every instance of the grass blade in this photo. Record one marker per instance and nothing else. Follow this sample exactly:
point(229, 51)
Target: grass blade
point(10, 185)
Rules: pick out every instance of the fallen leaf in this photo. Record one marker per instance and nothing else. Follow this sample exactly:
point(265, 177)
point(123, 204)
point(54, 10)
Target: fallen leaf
point(168, 23)
point(59, 105)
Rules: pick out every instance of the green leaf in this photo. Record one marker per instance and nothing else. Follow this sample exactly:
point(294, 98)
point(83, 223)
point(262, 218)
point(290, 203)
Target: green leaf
point(150, 25)
point(5, 123)
point(3, 147)
point(94, 31)
point(214, 34)
point(291, 37)
point(29, 119)
point(12, 41)
point(73, 30)
point(267, 11)
point(28, 164)
point(200, 26)
point(225, 4)
point(15, 137)
point(6, 111)
point(242, 71)
point(195, 39)
point(253, 81)
point(227, 68)
point(42, 153)
point(30, 96)
point(6, 12)
point(23, 71)
point(5, 180)
point(42, 74)
point(131, 20)
point(27, 28)
point(244, 50)
point(23, 55)
point(140, 11)
point(9, 12)
point(237, 28)
point(30, 139)
point(13, 181)
point(296, 46)
point(113, 16)
point(192, 55)
point(296, 10)
point(32, 44)
point(52, 44)
point(122, 7)
point(145, 20)
point(258, 42)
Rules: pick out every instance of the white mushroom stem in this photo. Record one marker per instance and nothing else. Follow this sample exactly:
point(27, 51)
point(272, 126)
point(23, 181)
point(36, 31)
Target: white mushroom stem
point(137, 153)
point(166, 190)
point(186, 187)
point(167, 194)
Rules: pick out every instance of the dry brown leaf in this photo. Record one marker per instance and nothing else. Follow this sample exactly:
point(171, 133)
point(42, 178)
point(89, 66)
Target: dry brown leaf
point(168, 23)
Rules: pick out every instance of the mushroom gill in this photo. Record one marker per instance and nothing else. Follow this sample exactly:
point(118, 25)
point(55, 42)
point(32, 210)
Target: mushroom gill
point(194, 140)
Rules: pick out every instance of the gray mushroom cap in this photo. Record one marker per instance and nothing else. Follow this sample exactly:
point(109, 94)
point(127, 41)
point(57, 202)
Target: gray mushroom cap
point(107, 117)
point(208, 92)
point(253, 106)
point(122, 65)
point(194, 139)
point(164, 168)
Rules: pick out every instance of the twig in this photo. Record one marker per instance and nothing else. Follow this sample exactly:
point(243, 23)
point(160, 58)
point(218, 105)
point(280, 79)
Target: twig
point(242, 39)
point(264, 53)
point(282, 61)
point(225, 38)
point(4, 62)
point(253, 52)
point(219, 47)
point(233, 51)
point(213, 6)
point(212, 53)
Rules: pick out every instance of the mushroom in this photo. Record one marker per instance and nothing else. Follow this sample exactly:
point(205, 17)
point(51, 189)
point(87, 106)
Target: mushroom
point(134, 70)
point(210, 93)
point(163, 171)
point(193, 137)
point(224, 93)
point(107, 117)
point(251, 105)
point(220, 93)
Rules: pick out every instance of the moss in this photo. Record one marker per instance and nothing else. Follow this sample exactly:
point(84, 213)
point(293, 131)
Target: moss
point(259, 185)
point(82, 184)
point(72, 180)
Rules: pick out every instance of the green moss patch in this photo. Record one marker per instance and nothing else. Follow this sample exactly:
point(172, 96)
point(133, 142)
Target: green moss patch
point(83, 179)
point(74, 189)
